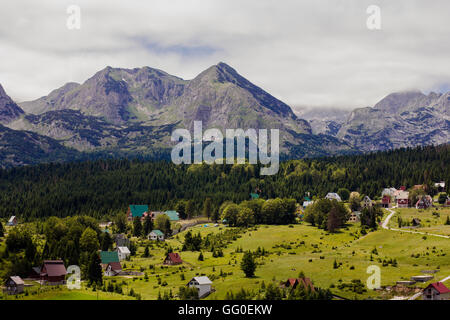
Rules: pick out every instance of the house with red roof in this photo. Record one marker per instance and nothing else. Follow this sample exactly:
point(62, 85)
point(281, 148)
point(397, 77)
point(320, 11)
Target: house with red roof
point(113, 269)
point(436, 291)
point(53, 272)
point(172, 258)
point(294, 282)
point(386, 201)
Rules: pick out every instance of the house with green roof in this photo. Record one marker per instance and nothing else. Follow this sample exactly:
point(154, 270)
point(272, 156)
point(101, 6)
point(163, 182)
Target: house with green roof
point(136, 210)
point(156, 235)
point(173, 215)
point(254, 196)
point(108, 257)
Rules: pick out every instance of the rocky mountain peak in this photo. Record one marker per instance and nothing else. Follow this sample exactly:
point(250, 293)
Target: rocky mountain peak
point(9, 110)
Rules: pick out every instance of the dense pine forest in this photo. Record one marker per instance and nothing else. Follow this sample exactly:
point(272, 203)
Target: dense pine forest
point(103, 188)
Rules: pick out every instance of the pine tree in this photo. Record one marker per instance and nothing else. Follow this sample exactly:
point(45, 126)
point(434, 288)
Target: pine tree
point(148, 225)
point(94, 272)
point(200, 256)
point(248, 264)
point(137, 227)
point(2, 230)
point(207, 208)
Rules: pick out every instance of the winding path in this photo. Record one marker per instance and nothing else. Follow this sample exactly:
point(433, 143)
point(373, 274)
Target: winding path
point(388, 218)
point(385, 226)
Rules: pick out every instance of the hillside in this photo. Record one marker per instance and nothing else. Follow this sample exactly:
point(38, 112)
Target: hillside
point(104, 187)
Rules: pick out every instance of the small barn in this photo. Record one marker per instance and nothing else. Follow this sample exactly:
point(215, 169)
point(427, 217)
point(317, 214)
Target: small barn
point(53, 272)
point(436, 291)
point(12, 221)
point(156, 235)
point(113, 269)
point(172, 258)
point(14, 285)
point(203, 284)
point(415, 222)
point(123, 253)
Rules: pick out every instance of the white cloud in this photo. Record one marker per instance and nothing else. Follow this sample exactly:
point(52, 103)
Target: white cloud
point(316, 53)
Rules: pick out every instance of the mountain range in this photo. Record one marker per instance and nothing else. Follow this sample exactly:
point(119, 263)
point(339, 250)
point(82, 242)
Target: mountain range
point(132, 112)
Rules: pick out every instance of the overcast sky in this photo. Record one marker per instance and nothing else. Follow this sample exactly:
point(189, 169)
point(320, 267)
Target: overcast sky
point(312, 53)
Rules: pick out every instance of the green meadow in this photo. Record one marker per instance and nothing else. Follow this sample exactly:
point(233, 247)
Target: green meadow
point(291, 249)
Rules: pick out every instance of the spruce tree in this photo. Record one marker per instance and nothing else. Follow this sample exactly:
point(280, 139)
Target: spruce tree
point(137, 227)
point(94, 272)
point(248, 264)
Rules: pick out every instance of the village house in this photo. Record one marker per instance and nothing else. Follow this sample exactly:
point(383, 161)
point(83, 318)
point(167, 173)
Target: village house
point(156, 235)
point(172, 258)
point(355, 216)
point(294, 282)
point(307, 202)
point(386, 201)
point(137, 210)
point(53, 272)
point(447, 202)
point(123, 253)
point(388, 192)
point(113, 269)
point(367, 202)
point(14, 285)
point(121, 240)
point(436, 291)
point(107, 257)
point(173, 215)
point(155, 214)
point(424, 202)
point(203, 284)
point(12, 221)
point(333, 196)
point(403, 199)
point(440, 186)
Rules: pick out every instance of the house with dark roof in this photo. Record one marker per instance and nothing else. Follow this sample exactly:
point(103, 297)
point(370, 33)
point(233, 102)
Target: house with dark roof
point(137, 210)
point(121, 240)
point(172, 258)
point(436, 291)
point(333, 196)
point(424, 202)
point(14, 285)
point(113, 269)
point(53, 272)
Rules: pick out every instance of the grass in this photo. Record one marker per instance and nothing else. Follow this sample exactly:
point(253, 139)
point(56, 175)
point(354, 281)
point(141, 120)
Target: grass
point(291, 249)
point(429, 223)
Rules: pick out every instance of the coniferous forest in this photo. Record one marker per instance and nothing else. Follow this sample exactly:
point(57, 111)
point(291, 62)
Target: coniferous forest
point(104, 188)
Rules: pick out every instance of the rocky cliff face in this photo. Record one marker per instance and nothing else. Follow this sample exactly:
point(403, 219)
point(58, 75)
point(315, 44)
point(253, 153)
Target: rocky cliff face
point(404, 119)
point(9, 110)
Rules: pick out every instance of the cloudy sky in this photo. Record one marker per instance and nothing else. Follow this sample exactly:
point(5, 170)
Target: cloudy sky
point(310, 53)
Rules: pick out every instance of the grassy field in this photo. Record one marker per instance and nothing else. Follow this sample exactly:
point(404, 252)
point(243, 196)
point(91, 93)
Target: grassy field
point(431, 223)
point(291, 249)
